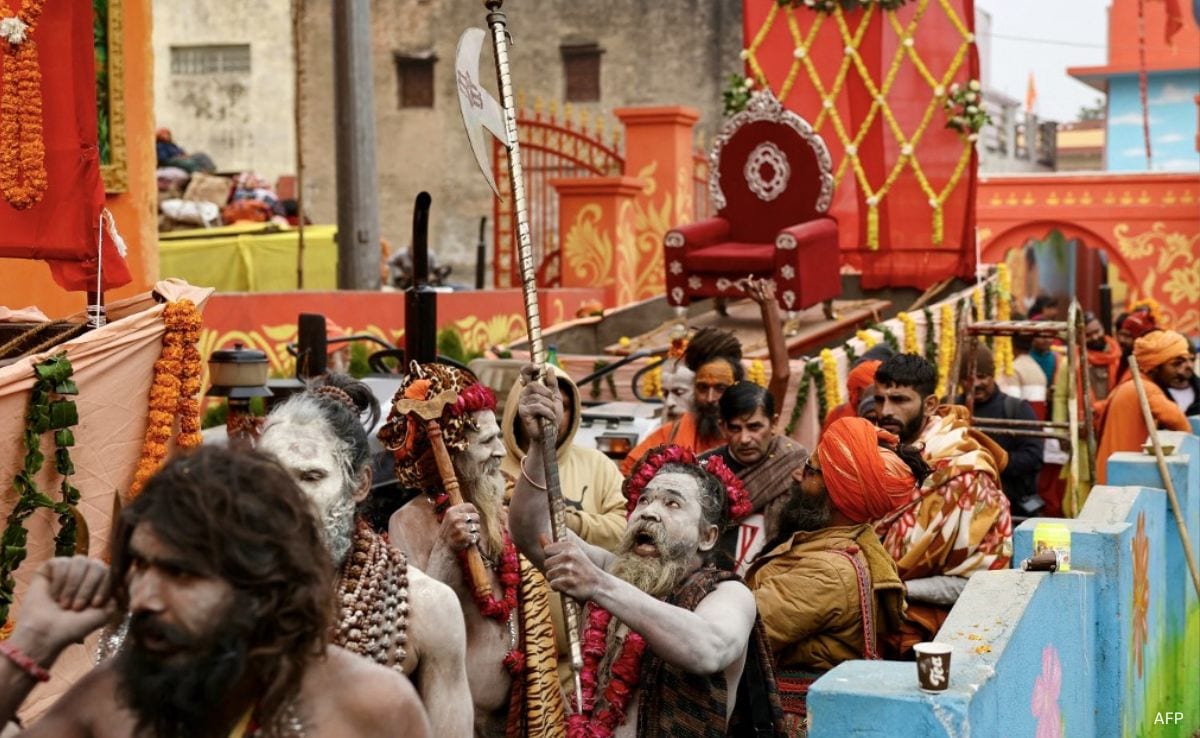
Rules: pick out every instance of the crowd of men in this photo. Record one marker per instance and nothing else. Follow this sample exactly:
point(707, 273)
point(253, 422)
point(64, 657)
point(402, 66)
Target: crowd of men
point(720, 572)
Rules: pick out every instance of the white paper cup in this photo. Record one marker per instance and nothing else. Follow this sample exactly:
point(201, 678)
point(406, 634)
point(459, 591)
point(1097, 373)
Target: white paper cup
point(933, 666)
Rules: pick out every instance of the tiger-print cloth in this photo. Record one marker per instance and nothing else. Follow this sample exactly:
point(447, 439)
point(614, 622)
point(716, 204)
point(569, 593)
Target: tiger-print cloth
point(536, 707)
point(676, 704)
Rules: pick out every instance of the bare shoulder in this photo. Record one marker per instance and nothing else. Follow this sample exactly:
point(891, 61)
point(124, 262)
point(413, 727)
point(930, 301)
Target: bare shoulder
point(731, 597)
point(370, 699)
point(412, 529)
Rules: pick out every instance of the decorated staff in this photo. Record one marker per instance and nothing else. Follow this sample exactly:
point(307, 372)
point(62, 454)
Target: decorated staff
point(480, 111)
point(430, 411)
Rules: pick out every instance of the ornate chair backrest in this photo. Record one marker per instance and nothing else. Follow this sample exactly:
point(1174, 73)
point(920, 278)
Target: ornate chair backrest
point(768, 170)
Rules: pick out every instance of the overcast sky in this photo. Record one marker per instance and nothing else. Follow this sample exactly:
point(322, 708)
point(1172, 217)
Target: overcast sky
point(1045, 37)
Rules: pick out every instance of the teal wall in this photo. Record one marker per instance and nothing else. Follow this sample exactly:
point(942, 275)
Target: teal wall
point(1111, 648)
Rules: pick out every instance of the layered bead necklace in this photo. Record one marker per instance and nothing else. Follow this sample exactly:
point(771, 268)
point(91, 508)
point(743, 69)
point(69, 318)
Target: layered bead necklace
point(373, 599)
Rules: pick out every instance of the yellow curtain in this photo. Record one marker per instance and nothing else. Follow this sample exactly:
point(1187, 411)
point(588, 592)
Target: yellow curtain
point(244, 258)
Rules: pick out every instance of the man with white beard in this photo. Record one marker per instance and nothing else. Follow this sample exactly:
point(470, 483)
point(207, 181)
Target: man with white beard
point(511, 653)
point(387, 610)
point(660, 593)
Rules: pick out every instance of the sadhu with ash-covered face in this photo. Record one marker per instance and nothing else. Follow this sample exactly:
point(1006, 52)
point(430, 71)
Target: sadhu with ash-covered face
point(669, 636)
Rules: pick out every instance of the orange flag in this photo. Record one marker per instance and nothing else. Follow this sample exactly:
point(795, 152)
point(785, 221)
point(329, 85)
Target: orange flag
point(1030, 94)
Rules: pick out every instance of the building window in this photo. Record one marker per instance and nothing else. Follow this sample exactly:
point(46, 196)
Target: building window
point(581, 70)
point(210, 59)
point(414, 79)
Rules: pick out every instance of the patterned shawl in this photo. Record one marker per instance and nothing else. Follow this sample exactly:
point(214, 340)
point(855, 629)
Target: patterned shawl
point(958, 522)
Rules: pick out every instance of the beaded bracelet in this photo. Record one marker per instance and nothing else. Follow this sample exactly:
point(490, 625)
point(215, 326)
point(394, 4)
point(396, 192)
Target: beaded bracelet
point(26, 664)
point(525, 474)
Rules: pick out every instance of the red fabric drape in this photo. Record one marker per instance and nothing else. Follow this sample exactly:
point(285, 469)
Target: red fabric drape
point(906, 255)
point(64, 228)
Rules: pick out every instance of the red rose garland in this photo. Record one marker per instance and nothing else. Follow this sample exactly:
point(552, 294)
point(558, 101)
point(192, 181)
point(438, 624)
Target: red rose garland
point(510, 579)
point(657, 458)
point(622, 682)
point(626, 669)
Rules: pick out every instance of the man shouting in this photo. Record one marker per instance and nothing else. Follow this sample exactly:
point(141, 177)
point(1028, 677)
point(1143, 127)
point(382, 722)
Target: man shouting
point(670, 641)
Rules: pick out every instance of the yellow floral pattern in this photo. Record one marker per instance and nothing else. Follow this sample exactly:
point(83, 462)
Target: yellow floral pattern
point(1141, 592)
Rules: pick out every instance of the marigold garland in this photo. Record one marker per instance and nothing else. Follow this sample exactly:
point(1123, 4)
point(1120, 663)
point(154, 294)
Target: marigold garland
point(659, 456)
point(757, 373)
point(977, 301)
point(22, 148)
point(652, 382)
point(946, 347)
point(174, 393)
point(867, 338)
point(1003, 344)
point(910, 333)
point(829, 371)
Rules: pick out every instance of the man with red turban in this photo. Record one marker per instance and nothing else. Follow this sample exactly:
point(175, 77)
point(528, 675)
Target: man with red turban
point(826, 589)
point(1164, 358)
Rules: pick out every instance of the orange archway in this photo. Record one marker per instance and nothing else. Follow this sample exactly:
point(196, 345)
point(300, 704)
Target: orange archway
point(1148, 225)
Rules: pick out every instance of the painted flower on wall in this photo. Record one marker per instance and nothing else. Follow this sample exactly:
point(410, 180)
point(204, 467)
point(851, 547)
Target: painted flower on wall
point(1046, 689)
point(1141, 591)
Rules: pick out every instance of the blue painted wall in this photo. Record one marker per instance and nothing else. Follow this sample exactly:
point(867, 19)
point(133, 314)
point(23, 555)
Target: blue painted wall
point(1052, 655)
point(1172, 123)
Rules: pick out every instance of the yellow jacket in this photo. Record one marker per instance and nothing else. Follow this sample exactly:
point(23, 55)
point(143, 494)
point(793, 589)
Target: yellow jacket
point(808, 596)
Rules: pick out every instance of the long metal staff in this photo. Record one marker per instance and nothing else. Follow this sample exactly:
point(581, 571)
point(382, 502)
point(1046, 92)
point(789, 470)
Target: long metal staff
point(497, 23)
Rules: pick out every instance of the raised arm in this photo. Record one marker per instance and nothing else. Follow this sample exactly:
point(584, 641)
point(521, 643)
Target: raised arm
point(762, 291)
point(67, 599)
point(529, 513)
point(703, 641)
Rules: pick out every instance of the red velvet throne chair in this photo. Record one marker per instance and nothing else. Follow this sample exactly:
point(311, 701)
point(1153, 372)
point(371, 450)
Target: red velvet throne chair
point(771, 182)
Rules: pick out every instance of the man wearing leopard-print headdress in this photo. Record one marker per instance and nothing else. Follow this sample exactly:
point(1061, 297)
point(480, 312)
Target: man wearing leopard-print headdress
point(387, 610)
point(511, 654)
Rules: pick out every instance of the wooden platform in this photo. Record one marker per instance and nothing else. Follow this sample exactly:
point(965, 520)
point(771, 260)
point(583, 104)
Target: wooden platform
point(809, 332)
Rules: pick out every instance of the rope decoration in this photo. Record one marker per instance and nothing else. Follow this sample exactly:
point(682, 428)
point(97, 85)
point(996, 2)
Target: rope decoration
point(873, 194)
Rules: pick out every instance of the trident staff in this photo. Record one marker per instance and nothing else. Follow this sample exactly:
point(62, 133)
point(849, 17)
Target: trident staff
point(481, 112)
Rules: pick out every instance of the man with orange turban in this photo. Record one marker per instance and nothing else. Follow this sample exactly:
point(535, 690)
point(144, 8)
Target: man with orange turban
point(826, 589)
point(1164, 358)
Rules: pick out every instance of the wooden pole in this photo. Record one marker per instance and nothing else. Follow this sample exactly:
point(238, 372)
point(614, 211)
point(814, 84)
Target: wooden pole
point(354, 103)
point(1162, 471)
point(298, 114)
point(475, 567)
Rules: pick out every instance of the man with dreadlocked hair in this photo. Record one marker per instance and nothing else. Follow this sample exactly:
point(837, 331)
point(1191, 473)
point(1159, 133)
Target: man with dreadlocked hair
point(220, 566)
point(511, 654)
point(387, 610)
point(672, 647)
point(716, 358)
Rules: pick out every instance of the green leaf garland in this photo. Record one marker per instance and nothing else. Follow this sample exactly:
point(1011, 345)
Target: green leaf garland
point(49, 410)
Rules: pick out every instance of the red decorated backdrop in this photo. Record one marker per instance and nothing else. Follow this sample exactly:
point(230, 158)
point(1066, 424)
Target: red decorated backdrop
point(872, 83)
point(63, 228)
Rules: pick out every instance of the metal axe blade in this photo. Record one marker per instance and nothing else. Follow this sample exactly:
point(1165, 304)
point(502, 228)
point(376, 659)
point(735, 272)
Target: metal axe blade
point(479, 109)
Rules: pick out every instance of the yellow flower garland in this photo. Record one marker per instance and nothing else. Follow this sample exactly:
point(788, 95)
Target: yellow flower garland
point(867, 338)
point(652, 382)
point(910, 334)
point(946, 346)
point(174, 392)
point(977, 301)
point(757, 373)
point(1003, 344)
point(833, 394)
